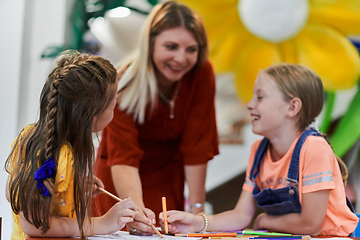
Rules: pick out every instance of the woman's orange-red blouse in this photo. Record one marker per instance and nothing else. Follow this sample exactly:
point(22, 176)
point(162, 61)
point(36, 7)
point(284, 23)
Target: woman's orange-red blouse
point(162, 146)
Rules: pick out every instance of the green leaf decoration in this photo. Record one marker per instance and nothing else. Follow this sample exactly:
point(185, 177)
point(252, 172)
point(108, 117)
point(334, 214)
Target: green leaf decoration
point(153, 2)
point(330, 100)
point(348, 131)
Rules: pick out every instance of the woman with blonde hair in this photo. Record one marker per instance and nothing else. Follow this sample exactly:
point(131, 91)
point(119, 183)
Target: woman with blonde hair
point(164, 129)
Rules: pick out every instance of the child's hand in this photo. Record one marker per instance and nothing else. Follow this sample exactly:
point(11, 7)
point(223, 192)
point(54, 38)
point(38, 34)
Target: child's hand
point(141, 224)
point(182, 222)
point(97, 183)
point(120, 214)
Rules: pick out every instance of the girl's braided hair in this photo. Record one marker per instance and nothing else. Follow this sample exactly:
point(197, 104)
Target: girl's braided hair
point(78, 88)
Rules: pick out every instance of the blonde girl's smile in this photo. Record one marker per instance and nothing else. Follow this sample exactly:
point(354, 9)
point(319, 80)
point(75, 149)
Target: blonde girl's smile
point(267, 107)
point(254, 117)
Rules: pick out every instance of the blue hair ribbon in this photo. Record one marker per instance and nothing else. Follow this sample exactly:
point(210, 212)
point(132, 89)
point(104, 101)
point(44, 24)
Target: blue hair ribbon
point(48, 170)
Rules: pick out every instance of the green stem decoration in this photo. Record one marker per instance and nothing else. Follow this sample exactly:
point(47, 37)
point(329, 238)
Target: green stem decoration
point(330, 100)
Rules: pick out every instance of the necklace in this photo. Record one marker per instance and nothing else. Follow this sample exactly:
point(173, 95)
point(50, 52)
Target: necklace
point(172, 100)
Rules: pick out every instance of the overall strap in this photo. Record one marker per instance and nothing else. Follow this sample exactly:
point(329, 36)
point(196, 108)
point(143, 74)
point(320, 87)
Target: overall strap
point(259, 156)
point(293, 173)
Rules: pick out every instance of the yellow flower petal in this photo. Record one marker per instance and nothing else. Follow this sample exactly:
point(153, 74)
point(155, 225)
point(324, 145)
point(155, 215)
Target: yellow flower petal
point(254, 56)
point(224, 54)
point(344, 15)
point(330, 54)
point(219, 17)
point(288, 51)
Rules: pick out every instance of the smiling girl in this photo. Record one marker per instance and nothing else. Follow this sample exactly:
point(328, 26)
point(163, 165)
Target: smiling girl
point(292, 174)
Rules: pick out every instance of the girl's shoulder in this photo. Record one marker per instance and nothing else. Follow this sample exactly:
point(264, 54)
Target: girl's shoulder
point(316, 142)
point(316, 148)
point(27, 129)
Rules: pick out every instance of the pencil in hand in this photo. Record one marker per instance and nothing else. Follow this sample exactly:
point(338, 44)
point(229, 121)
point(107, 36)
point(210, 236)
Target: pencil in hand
point(118, 199)
point(165, 215)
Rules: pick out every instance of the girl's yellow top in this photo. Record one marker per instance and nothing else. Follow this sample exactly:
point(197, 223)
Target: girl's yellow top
point(63, 199)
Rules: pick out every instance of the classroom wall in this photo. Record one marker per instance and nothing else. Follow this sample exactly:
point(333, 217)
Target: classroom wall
point(10, 62)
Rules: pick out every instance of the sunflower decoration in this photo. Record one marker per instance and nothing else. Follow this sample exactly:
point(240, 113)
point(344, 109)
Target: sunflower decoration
point(248, 35)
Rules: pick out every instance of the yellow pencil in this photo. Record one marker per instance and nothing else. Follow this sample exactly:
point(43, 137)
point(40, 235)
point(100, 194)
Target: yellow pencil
point(116, 198)
point(165, 215)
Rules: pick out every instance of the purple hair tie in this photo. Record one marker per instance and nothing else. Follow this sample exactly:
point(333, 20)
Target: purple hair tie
point(48, 170)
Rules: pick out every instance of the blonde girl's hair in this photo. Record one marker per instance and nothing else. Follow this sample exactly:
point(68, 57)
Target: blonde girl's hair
point(79, 88)
point(138, 85)
point(297, 81)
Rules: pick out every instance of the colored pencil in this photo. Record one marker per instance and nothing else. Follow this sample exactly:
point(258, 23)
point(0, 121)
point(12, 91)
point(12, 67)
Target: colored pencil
point(165, 215)
point(118, 199)
point(249, 232)
point(203, 235)
point(276, 238)
point(268, 237)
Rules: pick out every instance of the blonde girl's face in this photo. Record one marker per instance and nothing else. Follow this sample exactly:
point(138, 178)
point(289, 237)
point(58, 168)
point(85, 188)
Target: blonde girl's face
point(175, 53)
point(267, 107)
point(102, 120)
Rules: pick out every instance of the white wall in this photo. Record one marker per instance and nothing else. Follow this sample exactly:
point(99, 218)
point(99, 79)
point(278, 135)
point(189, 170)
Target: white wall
point(11, 17)
point(27, 28)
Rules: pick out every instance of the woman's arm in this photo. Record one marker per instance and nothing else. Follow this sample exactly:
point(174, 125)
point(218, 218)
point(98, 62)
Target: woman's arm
point(308, 222)
point(199, 141)
point(112, 221)
point(127, 183)
point(195, 176)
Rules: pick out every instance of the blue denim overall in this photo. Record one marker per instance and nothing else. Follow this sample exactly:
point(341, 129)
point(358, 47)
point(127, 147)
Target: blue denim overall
point(283, 200)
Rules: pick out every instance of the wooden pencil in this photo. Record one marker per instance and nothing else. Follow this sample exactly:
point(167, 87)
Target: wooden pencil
point(203, 235)
point(118, 199)
point(165, 215)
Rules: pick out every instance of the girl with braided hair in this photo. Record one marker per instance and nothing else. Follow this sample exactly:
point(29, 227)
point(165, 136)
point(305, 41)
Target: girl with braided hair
point(51, 179)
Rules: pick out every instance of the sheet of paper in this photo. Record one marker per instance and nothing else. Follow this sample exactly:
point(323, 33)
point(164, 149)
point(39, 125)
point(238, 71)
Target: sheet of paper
point(126, 236)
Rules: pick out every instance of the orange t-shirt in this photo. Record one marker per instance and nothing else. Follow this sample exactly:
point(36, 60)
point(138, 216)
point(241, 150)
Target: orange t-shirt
point(318, 170)
point(162, 146)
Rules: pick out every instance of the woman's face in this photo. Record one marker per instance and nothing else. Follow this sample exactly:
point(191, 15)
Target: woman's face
point(175, 53)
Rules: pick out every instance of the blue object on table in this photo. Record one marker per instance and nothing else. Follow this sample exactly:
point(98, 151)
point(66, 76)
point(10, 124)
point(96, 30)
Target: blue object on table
point(357, 230)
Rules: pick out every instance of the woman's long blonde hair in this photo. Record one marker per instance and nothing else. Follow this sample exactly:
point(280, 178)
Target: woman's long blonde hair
point(138, 86)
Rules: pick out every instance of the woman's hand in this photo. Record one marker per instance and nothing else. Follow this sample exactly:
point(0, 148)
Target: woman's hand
point(182, 222)
point(141, 224)
point(120, 214)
